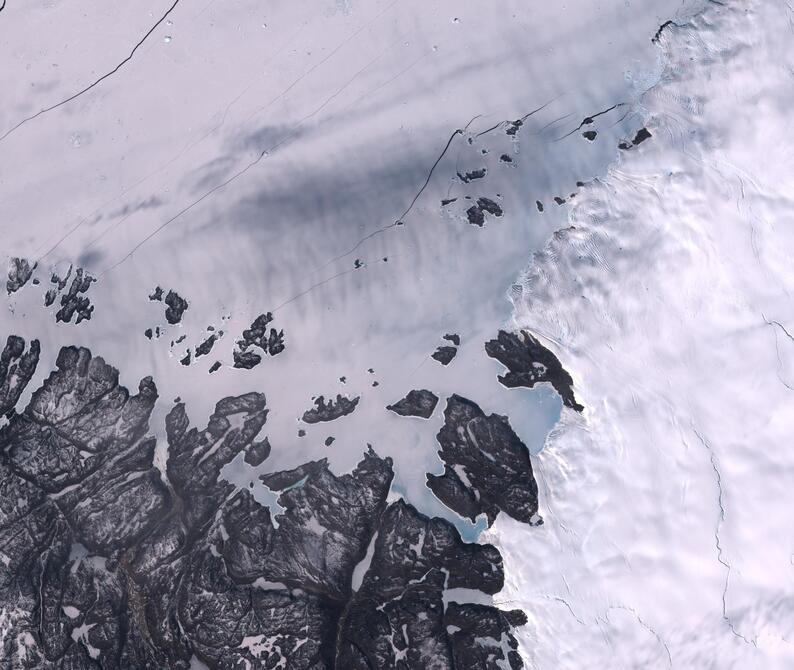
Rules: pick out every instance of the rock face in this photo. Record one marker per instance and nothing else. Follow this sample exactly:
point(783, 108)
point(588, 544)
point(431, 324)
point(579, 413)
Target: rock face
point(476, 213)
point(16, 369)
point(529, 363)
point(74, 301)
point(257, 335)
point(176, 306)
point(486, 466)
point(444, 354)
point(331, 410)
point(206, 346)
point(471, 176)
point(397, 618)
point(20, 271)
point(107, 562)
point(421, 403)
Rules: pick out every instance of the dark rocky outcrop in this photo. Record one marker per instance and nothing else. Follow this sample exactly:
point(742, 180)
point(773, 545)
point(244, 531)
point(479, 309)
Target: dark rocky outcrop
point(444, 354)
point(482, 637)
point(641, 135)
point(206, 346)
point(246, 359)
point(74, 302)
point(257, 335)
point(397, 617)
point(258, 453)
point(20, 270)
point(475, 216)
point(330, 410)
point(473, 175)
point(421, 403)
point(109, 562)
point(488, 205)
point(513, 127)
point(528, 363)
point(175, 309)
point(16, 369)
point(486, 466)
point(476, 213)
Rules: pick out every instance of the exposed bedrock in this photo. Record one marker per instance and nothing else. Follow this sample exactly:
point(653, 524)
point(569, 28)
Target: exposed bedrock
point(107, 562)
point(397, 618)
point(330, 410)
point(421, 403)
point(20, 270)
point(528, 363)
point(486, 466)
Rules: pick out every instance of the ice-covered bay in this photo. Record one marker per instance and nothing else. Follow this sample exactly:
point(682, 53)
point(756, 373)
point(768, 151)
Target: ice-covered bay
point(251, 157)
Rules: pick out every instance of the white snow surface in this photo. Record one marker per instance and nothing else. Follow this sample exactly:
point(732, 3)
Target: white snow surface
point(253, 157)
point(669, 539)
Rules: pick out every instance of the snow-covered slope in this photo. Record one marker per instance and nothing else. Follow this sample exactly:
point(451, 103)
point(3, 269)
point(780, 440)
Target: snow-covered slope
point(669, 540)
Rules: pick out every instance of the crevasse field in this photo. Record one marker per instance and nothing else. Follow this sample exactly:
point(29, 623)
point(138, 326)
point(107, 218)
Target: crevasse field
point(395, 182)
point(669, 541)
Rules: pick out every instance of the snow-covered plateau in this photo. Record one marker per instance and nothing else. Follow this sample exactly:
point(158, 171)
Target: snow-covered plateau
point(669, 539)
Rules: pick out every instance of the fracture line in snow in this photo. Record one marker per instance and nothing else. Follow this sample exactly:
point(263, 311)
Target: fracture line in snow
point(659, 32)
point(263, 153)
point(457, 132)
point(717, 542)
point(522, 118)
point(97, 81)
point(400, 221)
point(170, 162)
point(528, 605)
point(777, 352)
point(182, 211)
point(587, 120)
point(647, 627)
point(779, 325)
point(562, 600)
point(338, 48)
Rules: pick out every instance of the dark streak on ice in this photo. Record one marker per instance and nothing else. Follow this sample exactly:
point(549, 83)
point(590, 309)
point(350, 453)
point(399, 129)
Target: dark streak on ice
point(97, 81)
point(590, 119)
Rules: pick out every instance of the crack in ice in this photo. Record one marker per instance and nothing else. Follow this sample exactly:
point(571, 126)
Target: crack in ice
point(717, 539)
point(96, 82)
point(645, 625)
point(777, 351)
